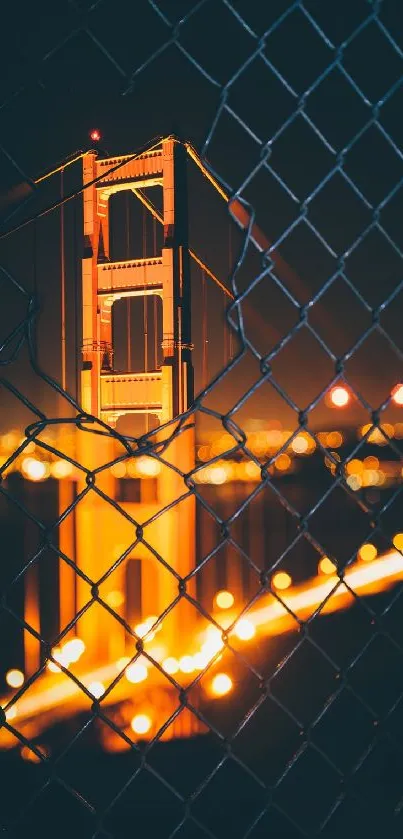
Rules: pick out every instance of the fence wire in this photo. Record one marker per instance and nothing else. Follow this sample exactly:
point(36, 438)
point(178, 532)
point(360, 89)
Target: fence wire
point(294, 110)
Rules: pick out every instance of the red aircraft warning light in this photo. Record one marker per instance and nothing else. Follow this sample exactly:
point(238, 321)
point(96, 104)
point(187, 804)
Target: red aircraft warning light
point(339, 397)
point(95, 135)
point(397, 394)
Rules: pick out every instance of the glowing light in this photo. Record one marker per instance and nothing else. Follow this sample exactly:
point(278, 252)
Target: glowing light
point(143, 629)
point(170, 665)
point(72, 650)
point(114, 599)
point(397, 394)
point(244, 629)
point(11, 713)
point(224, 599)
point(95, 135)
point(398, 541)
point(281, 580)
point(136, 672)
point(15, 678)
point(122, 663)
point(300, 444)
point(140, 724)
point(33, 469)
point(61, 469)
point(326, 566)
point(28, 754)
point(354, 482)
point(334, 439)
point(283, 462)
point(186, 664)
point(148, 466)
point(371, 462)
point(339, 397)
point(214, 642)
point(354, 467)
point(367, 552)
point(221, 684)
point(58, 656)
point(217, 475)
point(97, 689)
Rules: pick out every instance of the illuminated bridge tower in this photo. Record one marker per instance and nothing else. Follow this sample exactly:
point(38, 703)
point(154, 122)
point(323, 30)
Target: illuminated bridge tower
point(101, 534)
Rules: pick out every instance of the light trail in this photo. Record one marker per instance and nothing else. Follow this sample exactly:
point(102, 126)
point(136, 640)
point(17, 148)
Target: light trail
point(42, 704)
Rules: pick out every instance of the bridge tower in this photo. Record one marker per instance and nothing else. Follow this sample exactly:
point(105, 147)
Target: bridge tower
point(101, 533)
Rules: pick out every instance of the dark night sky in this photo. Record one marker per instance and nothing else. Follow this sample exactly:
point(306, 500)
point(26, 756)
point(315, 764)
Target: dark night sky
point(49, 106)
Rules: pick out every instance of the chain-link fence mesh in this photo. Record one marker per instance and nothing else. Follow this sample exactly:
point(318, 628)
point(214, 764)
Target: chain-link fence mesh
point(281, 714)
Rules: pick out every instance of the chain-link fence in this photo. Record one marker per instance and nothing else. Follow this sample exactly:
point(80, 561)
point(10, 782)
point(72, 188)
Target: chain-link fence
point(258, 693)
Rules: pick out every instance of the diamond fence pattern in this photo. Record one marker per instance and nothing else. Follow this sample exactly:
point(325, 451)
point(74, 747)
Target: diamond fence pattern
point(294, 109)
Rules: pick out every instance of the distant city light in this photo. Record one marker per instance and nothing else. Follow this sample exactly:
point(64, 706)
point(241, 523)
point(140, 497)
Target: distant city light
point(326, 566)
point(224, 599)
point(15, 678)
point(244, 629)
point(300, 444)
point(221, 684)
point(367, 552)
point(97, 689)
point(72, 650)
point(397, 394)
point(33, 469)
point(136, 672)
point(140, 724)
point(170, 665)
point(61, 469)
point(186, 664)
point(283, 462)
point(281, 580)
point(95, 135)
point(339, 397)
point(398, 541)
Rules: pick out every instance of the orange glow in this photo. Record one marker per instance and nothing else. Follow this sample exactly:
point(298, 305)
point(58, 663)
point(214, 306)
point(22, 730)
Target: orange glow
point(339, 397)
point(334, 439)
point(170, 665)
point(283, 462)
point(397, 394)
point(136, 672)
point(281, 580)
point(224, 599)
point(367, 552)
point(221, 684)
point(95, 135)
point(34, 470)
point(398, 541)
point(300, 444)
point(186, 664)
point(244, 629)
point(15, 678)
point(326, 566)
point(140, 724)
point(61, 469)
point(97, 689)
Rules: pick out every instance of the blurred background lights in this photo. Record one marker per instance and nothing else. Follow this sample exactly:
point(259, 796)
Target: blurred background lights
point(15, 678)
point(281, 580)
point(397, 394)
point(326, 566)
point(136, 672)
point(224, 599)
point(140, 724)
point(367, 552)
point(398, 541)
point(244, 629)
point(97, 689)
point(221, 684)
point(339, 396)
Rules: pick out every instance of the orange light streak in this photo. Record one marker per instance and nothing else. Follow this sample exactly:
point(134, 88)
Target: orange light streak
point(274, 618)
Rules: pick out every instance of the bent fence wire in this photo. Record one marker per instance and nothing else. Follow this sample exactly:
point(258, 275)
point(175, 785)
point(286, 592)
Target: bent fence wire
point(294, 109)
